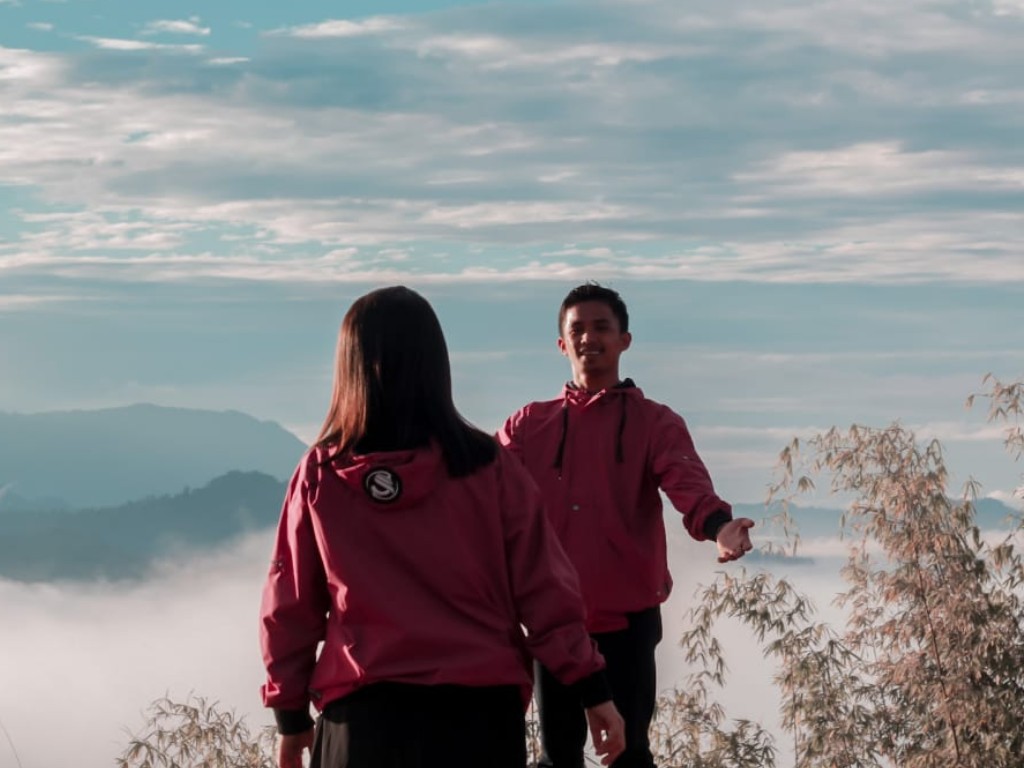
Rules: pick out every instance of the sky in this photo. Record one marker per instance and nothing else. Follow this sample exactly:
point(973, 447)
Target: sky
point(813, 210)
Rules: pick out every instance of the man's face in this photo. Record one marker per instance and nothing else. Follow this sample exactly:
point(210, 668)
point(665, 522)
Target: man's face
point(592, 340)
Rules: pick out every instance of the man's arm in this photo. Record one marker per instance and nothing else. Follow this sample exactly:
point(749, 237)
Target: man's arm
point(687, 483)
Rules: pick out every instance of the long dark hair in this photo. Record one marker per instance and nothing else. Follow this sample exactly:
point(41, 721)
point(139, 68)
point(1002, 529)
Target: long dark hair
point(393, 385)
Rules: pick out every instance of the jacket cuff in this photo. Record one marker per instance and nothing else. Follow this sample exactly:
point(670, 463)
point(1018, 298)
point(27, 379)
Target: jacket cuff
point(293, 721)
point(714, 521)
point(593, 689)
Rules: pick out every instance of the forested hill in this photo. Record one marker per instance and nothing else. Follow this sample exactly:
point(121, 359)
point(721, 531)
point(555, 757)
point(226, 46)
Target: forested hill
point(122, 542)
point(107, 457)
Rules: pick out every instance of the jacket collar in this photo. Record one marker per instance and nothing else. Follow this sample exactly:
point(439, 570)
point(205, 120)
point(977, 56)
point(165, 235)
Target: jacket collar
point(573, 395)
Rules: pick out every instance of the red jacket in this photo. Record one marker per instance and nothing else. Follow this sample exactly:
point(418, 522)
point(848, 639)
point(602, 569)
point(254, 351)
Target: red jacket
point(409, 575)
point(600, 460)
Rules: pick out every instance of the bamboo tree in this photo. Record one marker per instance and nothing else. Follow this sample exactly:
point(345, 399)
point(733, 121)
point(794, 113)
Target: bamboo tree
point(928, 670)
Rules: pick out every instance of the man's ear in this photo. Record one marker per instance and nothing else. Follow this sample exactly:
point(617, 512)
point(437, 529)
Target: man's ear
point(627, 339)
point(561, 346)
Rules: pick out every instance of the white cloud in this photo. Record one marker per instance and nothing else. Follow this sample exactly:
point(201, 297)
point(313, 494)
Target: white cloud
point(177, 27)
point(779, 435)
point(342, 28)
point(874, 27)
point(41, 26)
point(959, 432)
point(202, 640)
point(879, 168)
point(121, 44)
point(22, 68)
point(496, 52)
point(204, 637)
point(9, 303)
point(1009, 498)
point(1008, 7)
point(642, 139)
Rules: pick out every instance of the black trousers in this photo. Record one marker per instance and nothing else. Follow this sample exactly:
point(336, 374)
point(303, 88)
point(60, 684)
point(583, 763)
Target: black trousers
point(629, 654)
point(395, 725)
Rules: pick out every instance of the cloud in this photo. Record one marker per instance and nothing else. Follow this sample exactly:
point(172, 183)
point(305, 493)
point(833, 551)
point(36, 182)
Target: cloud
point(949, 431)
point(879, 168)
point(41, 26)
point(1009, 498)
point(15, 303)
point(177, 27)
point(121, 44)
point(203, 636)
point(1008, 7)
point(203, 640)
point(342, 28)
point(21, 68)
point(562, 141)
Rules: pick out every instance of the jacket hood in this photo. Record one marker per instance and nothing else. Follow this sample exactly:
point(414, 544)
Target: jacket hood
point(574, 397)
point(393, 479)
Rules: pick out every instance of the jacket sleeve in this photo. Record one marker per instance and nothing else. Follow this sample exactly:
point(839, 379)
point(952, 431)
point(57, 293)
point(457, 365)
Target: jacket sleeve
point(546, 589)
point(511, 434)
point(293, 613)
point(685, 480)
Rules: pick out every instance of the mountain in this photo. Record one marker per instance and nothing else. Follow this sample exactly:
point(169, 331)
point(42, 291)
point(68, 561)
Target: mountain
point(122, 542)
point(822, 522)
point(108, 457)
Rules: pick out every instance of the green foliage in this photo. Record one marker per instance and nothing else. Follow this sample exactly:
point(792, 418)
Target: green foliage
point(197, 734)
point(928, 671)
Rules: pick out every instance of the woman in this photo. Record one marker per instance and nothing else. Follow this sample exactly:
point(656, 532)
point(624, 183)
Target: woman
point(417, 552)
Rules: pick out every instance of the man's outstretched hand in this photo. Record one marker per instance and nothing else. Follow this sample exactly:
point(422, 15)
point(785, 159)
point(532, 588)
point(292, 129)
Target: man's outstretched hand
point(734, 539)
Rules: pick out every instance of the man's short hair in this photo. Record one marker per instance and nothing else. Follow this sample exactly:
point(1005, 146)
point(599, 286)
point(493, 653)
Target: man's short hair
point(591, 291)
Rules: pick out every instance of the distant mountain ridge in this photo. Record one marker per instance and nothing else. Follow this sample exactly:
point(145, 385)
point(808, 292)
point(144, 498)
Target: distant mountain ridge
point(111, 456)
point(815, 522)
point(122, 542)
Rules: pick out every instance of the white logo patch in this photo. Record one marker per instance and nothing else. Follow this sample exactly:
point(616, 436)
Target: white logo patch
point(382, 485)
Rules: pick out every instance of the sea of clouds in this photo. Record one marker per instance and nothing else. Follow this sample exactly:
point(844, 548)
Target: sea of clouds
point(80, 663)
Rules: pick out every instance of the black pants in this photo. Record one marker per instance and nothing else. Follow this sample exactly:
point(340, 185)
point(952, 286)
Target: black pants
point(629, 654)
point(394, 725)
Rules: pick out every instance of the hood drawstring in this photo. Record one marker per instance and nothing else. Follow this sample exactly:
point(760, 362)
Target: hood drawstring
point(620, 455)
point(561, 442)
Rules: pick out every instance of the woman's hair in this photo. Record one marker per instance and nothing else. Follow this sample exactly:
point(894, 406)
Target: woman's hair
point(393, 385)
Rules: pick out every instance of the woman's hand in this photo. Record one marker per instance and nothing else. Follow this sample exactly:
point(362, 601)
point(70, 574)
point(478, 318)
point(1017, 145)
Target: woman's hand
point(290, 747)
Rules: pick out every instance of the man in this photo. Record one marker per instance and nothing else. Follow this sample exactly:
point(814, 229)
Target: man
point(600, 453)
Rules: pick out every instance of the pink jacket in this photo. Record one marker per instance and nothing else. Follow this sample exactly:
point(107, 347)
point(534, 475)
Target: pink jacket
point(409, 575)
point(600, 460)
